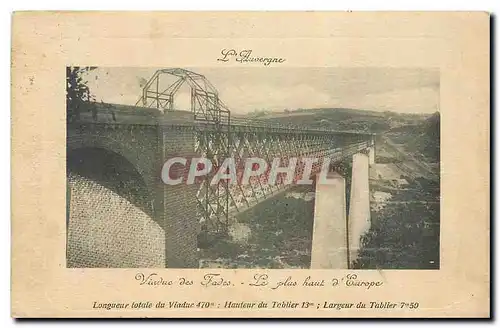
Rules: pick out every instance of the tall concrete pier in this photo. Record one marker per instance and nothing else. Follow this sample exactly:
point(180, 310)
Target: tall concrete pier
point(329, 244)
point(371, 154)
point(359, 205)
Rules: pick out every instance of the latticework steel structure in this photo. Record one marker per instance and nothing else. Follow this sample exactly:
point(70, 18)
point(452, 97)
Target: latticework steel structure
point(218, 137)
point(205, 102)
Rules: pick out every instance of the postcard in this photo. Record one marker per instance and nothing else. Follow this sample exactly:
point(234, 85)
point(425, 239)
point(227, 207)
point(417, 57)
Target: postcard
point(250, 164)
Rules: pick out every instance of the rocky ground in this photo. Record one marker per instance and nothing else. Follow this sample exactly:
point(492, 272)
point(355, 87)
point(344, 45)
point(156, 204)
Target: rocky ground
point(275, 234)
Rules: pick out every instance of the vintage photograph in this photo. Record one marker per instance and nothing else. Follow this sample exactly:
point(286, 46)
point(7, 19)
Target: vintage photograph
point(253, 167)
point(250, 165)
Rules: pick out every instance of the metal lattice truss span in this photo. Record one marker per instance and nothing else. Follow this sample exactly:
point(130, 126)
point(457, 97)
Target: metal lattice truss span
point(219, 137)
point(224, 202)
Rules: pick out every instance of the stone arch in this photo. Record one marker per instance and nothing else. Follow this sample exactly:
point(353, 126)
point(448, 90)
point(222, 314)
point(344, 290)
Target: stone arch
point(90, 146)
point(112, 221)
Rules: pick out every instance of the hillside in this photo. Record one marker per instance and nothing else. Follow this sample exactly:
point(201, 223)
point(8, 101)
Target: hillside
point(342, 119)
point(415, 134)
point(422, 139)
point(405, 192)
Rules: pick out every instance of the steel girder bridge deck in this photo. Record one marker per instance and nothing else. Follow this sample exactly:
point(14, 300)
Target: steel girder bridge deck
point(219, 136)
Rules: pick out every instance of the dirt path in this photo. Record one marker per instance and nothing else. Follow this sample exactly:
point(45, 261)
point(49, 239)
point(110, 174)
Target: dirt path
point(408, 163)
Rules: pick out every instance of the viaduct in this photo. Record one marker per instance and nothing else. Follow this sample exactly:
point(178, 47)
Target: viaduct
point(131, 143)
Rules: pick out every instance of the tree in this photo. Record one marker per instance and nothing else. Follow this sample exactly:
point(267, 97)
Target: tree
point(78, 93)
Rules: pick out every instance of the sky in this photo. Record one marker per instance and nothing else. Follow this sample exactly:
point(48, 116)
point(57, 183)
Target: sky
point(246, 89)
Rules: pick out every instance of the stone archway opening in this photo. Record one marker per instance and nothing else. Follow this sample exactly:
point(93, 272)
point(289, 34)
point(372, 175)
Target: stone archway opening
point(113, 171)
point(110, 221)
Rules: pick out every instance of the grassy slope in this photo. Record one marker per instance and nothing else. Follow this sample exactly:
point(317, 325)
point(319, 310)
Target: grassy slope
point(405, 234)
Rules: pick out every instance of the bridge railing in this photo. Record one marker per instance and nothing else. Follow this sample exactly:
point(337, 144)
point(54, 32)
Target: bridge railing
point(271, 124)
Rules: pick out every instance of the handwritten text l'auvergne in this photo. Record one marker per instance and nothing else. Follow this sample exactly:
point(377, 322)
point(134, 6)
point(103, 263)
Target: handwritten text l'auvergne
point(247, 56)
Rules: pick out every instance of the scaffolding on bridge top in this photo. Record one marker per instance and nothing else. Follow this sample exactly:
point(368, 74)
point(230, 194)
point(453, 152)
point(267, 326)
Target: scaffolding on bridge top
point(205, 103)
